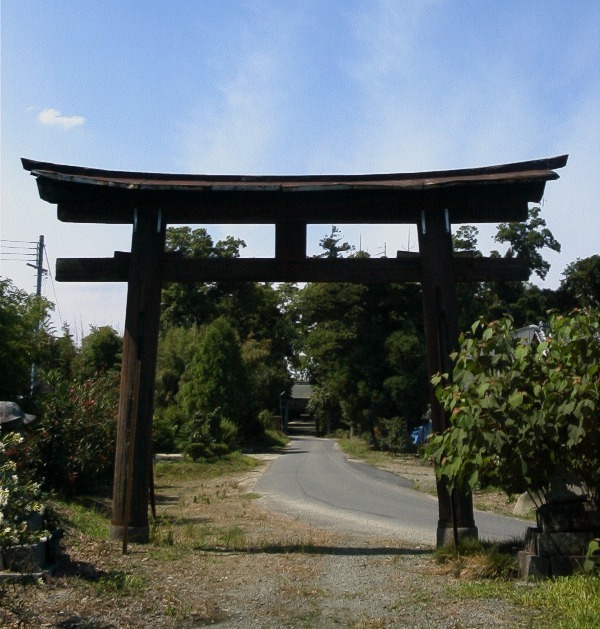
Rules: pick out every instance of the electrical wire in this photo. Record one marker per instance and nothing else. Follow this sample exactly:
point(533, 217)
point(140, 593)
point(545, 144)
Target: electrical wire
point(53, 287)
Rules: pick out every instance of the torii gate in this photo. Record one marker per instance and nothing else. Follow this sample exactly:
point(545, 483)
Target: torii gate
point(432, 200)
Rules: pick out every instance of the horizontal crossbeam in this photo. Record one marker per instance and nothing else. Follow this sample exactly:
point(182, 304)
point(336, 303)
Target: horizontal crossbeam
point(176, 268)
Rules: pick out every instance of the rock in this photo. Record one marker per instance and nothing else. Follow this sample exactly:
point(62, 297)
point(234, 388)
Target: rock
point(25, 557)
point(565, 543)
point(524, 505)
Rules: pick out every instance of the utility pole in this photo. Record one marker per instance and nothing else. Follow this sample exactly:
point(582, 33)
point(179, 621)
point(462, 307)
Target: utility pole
point(39, 266)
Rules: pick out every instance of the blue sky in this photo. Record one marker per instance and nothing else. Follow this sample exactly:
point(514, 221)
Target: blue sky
point(259, 87)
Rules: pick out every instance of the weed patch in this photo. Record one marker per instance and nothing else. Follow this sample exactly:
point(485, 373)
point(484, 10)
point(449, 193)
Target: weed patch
point(119, 583)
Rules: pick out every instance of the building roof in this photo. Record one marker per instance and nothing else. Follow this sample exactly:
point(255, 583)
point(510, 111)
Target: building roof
point(301, 391)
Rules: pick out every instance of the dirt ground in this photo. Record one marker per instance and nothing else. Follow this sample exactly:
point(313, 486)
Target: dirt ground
point(217, 557)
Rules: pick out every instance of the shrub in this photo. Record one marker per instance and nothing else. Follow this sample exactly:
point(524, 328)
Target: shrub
point(19, 499)
point(198, 451)
point(220, 449)
point(521, 413)
point(72, 446)
point(392, 435)
point(229, 433)
point(265, 418)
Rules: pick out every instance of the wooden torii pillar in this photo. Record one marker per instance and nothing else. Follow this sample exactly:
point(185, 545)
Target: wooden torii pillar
point(433, 201)
point(440, 317)
point(133, 464)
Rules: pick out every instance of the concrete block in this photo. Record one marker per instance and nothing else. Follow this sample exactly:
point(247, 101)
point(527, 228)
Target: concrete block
point(531, 540)
point(533, 566)
point(568, 516)
point(25, 557)
point(566, 566)
point(563, 543)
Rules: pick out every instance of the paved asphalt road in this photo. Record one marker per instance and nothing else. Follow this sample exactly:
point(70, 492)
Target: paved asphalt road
point(314, 481)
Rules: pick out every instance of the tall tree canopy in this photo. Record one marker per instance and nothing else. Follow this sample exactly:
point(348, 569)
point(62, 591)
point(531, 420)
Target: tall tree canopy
point(527, 239)
point(581, 283)
point(363, 349)
point(23, 326)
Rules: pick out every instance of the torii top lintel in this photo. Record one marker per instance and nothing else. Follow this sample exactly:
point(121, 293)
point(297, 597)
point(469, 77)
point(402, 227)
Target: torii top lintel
point(480, 195)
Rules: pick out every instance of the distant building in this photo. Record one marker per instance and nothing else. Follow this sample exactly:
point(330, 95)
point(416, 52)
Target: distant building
point(530, 334)
point(298, 399)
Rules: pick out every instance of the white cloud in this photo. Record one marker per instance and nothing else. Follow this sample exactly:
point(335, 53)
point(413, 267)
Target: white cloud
point(235, 130)
point(54, 117)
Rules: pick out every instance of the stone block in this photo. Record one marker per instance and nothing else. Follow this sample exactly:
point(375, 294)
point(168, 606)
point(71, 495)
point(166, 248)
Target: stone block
point(532, 566)
point(568, 516)
point(566, 566)
point(563, 543)
point(25, 557)
point(531, 540)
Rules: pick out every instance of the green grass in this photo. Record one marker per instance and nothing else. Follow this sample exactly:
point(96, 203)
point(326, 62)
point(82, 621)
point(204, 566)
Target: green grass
point(566, 602)
point(563, 603)
point(166, 471)
point(477, 559)
point(269, 440)
point(119, 583)
point(88, 519)
point(360, 449)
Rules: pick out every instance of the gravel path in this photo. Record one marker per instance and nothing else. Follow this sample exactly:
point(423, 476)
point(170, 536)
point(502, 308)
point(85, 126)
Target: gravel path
point(220, 559)
point(362, 588)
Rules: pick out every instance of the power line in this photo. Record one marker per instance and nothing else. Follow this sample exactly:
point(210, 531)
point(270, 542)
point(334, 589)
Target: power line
point(24, 242)
point(53, 287)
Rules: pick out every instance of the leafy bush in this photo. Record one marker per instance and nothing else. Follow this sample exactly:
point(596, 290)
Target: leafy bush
point(72, 446)
point(198, 451)
point(522, 413)
point(220, 449)
point(229, 433)
point(265, 418)
point(592, 557)
point(392, 435)
point(166, 428)
point(19, 499)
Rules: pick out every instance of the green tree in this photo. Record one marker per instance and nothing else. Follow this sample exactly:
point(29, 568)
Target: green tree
point(196, 303)
point(362, 350)
point(21, 314)
point(61, 354)
point(523, 301)
point(527, 239)
point(215, 385)
point(581, 284)
point(257, 312)
point(332, 245)
point(465, 239)
point(101, 351)
point(521, 413)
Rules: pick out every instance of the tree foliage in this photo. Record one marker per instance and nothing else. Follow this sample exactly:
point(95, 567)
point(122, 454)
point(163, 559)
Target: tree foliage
point(363, 351)
point(71, 447)
point(23, 322)
point(255, 315)
point(581, 283)
point(527, 239)
point(521, 413)
point(100, 352)
point(196, 303)
point(215, 385)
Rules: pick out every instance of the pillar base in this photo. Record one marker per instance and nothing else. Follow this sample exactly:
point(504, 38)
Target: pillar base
point(445, 535)
point(136, 534)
